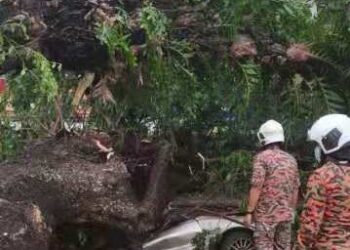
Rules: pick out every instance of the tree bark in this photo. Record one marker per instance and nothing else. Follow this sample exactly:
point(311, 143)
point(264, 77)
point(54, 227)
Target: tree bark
point(57, 183)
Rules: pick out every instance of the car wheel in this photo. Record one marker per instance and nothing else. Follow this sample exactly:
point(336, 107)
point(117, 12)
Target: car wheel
point(237, 240)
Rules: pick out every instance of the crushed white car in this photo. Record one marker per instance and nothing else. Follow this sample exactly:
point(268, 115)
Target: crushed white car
point(233, 235)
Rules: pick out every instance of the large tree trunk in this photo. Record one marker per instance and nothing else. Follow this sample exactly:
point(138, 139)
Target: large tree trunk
point(56, 183)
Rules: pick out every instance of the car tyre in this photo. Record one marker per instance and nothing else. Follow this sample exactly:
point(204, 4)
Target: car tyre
point(237, 240)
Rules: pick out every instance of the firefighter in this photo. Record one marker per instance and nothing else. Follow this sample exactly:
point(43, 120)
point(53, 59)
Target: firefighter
point(325, 220)
point(274, 190)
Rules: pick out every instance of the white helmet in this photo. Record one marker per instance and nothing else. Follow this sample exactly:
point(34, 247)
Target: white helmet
point(330, 132)
point(270, 132)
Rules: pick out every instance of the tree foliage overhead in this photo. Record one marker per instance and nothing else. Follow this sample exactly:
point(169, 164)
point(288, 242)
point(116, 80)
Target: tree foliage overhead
point(215, 68)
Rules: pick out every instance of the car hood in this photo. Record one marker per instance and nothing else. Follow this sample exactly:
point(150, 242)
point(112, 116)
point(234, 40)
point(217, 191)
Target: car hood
point(180, 236)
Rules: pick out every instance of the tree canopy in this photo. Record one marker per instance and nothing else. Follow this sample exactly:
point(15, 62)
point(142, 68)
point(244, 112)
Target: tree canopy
point(214, 69)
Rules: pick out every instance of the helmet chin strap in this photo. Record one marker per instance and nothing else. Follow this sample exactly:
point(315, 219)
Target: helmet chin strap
point(318, 154)
point(341, 156)
point(339, 162)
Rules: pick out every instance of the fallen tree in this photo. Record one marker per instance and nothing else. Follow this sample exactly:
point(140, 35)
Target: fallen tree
point(58, 182)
